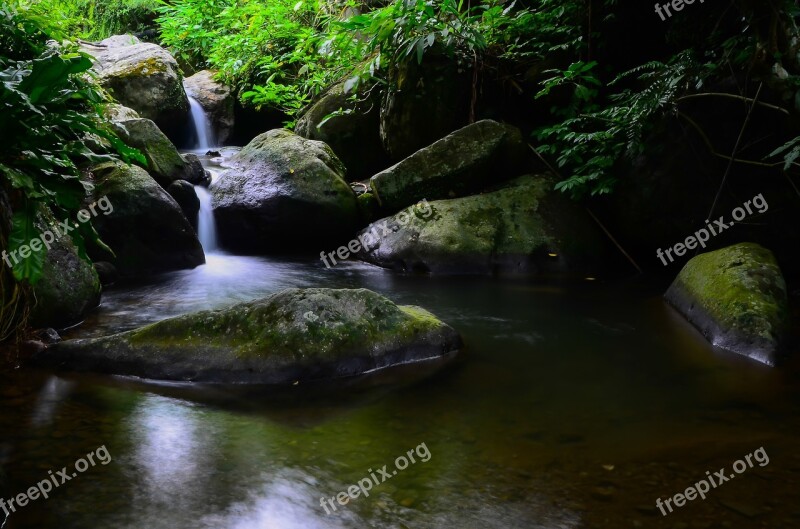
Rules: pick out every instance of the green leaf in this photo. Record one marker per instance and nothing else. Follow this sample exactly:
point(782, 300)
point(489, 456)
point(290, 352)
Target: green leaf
point(23, 231)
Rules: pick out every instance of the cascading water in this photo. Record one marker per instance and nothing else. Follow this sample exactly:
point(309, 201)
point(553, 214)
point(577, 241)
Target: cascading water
point(202, 126)
point(206, 226)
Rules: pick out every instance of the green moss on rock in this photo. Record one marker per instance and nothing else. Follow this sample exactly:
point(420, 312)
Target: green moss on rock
point(296, 334)
point(737, 297)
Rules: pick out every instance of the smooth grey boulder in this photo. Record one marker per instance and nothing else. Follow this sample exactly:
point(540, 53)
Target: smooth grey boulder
point(737, 298)
point(147, 230)
point(144, 77)
point(473, 158)
point(297, 335)
point(283, 193)
point(217, 101)
point(526, 228)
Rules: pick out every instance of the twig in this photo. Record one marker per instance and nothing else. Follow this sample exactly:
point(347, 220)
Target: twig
point(608, 233)
point(710, 146)
point(733, 96)
point(736, 148)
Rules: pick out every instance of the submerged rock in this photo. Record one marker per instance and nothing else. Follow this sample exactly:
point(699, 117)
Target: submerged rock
point(354, 135)
point(144, 77)
point(164, 163)
point(473, 158)
point(146, 229)
point(525, 228)
point(282, 193)
point(294, 335)
point(216, 100)
point(737, 298)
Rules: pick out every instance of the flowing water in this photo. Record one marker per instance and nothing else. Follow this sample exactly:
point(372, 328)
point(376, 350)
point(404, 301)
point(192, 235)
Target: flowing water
point(573, 407)
point(202, 127)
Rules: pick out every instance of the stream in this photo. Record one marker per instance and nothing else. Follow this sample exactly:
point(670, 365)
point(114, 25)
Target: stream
point(573, 407)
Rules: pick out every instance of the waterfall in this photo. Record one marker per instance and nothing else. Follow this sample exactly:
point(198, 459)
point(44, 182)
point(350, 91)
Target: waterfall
point(206, 226)
point(202, 127)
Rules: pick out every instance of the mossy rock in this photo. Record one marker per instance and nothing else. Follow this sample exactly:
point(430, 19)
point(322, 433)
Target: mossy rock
point(283, 193)
point(146, 229)
point(164, 162)
point(737, 298)
point(525, 228)
point(471, 159)
point(69, 287)
point(146, 78)
point(354, 135)
point(294, 335)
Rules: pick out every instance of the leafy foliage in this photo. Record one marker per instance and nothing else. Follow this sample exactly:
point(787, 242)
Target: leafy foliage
point(52, 124)
point(95, 20)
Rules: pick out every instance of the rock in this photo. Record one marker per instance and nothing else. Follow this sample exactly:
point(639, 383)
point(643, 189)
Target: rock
point(144, 77)
point(69, 287)
point(354, 137)
point(294, 335)
point(425, 102)
point(107, 273)
point(216, 100)
point(184, 194)
point(737, 298)
point(197, 173)
point(117, 113)
point(283, 193)
point(524, 228)
point(164, 163)
point(146, 229)
point(471, 159)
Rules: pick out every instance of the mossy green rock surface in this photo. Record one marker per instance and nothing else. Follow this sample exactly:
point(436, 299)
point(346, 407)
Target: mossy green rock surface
point(283, 193)
point(69, 287)
point(144, 77)
point(470, 159)
point(294, 335)
point(513, 230)
point(164, 162)
point(737, 298)
point(146, 229)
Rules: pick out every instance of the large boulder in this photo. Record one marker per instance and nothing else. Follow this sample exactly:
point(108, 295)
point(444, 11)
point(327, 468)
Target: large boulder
point(737, 298)
point(146, 228)
point(164, 162)
point(525, 228)
point(473, 158)
point(297, 335)
point(69, 287)
point(217, 101)
point(283, 193)
point(425, 102)
point(354, 135)
point(144, 77)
